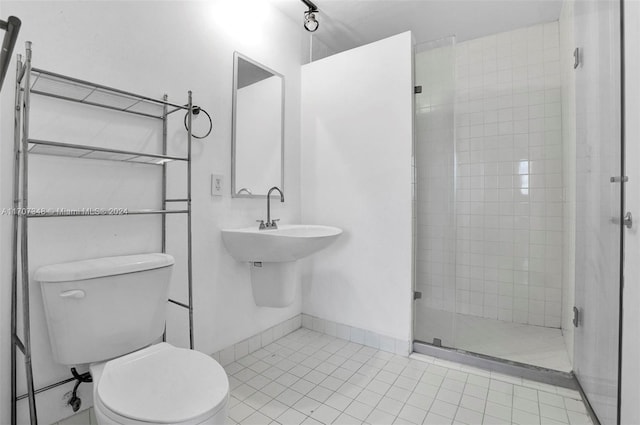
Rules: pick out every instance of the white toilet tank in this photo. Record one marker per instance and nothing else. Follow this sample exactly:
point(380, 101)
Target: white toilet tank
point(105, 307)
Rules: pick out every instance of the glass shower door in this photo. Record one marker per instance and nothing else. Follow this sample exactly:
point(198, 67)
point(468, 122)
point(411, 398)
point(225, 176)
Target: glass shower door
point(435, 229)
point(598, 204)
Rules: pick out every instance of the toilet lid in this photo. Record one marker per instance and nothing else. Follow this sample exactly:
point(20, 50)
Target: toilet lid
point(163, 384)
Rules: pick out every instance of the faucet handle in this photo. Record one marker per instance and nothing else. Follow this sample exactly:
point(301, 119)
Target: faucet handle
point(262, 225)
point(273, 224)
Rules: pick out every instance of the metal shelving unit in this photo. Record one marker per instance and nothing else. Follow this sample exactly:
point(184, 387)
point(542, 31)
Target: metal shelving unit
point(32, 81)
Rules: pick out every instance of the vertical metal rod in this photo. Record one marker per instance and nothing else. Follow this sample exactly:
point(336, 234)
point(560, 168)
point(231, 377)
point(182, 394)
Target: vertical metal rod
point(14, 244)
point(164, 188)
point(24, 240)
point(189, 250)
point(623, 172)
point(164, 174)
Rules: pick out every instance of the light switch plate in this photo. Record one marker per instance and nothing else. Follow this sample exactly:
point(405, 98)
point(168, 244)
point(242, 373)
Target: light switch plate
point(217, 183)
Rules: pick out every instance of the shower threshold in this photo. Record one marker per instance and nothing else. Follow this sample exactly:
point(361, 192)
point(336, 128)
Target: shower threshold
point(498, 365)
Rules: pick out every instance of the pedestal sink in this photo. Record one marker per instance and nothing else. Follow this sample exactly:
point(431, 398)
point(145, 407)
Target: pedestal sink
point(286, 243)
point(272, 255)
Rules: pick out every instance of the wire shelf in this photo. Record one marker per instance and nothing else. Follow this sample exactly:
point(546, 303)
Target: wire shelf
point(58, 86)
point(46, 147)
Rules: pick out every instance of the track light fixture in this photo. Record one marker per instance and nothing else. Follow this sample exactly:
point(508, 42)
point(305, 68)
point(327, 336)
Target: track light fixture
point(311, 24)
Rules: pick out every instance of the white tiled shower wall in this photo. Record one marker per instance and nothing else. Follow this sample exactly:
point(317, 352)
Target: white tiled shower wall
point(509, 185)
point(435, 156)
point(509, 177)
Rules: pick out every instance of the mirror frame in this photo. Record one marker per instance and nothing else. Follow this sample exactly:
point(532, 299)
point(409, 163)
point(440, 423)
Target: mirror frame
point(234, 194)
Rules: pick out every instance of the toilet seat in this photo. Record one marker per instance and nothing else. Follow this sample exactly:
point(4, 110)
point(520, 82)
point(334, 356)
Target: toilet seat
point(162, 384)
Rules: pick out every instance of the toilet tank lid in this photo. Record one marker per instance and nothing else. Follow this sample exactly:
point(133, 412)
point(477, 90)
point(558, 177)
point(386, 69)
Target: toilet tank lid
point(101, 267)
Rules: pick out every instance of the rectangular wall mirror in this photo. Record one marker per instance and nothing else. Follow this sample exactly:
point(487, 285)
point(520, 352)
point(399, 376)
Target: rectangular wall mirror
point(257, 158)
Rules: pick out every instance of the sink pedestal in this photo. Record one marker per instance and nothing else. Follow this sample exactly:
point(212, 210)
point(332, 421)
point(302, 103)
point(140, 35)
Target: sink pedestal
point(274, 284)
point(272, 256)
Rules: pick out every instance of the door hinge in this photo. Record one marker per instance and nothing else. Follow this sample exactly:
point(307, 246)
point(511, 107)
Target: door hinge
point(627, 220)
point(417, 295)
point(618, 179)
point(576, 58)
point(576, 317)
point(417, 89)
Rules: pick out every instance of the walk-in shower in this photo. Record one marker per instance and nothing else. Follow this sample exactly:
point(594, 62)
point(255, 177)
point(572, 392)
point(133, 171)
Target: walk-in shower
point(490, 255)
point(516, 144)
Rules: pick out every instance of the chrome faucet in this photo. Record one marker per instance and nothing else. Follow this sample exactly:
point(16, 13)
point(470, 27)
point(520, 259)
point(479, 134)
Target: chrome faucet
point(270, 224)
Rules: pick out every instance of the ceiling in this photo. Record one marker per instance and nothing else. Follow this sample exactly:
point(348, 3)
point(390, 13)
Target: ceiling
point(345, 24)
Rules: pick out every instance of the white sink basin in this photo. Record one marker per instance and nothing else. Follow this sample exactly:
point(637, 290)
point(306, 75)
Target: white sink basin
point(287, 243)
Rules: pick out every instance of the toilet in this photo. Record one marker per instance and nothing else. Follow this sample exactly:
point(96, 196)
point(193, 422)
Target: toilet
point(110, 313)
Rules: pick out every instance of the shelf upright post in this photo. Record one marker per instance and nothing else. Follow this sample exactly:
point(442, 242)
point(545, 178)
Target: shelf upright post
point(164, 173)
point(24, 257)
point(189, 250)
point(164, 190)
point(14, 244)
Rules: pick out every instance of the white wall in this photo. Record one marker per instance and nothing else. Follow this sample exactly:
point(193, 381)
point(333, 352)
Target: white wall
point(568, 80)
point(630, 409)
point(151, 48)
point(509, 176)
point(356, 173)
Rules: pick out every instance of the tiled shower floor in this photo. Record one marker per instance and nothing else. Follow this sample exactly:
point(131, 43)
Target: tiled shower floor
point(311, 378)
point(534, 345)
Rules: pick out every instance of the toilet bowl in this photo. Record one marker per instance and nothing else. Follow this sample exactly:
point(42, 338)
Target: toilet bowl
point(109, 313)
point(160, 384)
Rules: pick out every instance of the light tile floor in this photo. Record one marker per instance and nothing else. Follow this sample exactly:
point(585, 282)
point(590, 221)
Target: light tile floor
point(310, 378)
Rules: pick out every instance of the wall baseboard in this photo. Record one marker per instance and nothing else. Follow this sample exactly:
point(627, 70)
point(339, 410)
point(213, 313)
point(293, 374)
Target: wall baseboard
point(257, 341)
point(357, 335)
